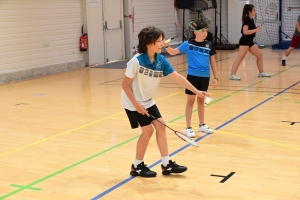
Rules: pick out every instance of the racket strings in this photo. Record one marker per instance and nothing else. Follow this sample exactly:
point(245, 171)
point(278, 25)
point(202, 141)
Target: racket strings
point(271, 9)
point(193, 25)
point(181, 136)
point(187, 139)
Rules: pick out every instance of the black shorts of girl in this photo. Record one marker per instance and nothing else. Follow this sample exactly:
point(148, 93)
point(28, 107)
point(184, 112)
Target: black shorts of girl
point(200, 83)
point(137, 119)
point(246, 41)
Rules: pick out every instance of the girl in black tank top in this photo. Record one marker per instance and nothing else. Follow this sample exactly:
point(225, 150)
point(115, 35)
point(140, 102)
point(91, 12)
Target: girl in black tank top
point(246, 43)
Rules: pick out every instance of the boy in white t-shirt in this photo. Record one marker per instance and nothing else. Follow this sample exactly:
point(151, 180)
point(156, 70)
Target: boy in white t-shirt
point(140, 83)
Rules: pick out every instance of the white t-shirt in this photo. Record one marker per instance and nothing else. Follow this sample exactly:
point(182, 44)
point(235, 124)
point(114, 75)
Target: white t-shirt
point(146, 78)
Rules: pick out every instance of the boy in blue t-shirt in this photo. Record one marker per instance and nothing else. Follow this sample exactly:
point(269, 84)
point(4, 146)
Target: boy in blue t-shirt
point(143, 74)
point(200, 54)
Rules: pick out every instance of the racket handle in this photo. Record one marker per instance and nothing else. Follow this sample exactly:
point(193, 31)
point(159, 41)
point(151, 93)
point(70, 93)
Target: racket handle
point(152, 116)
point(168, 40)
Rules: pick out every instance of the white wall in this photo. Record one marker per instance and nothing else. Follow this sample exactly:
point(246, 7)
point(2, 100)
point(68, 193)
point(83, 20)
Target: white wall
point(45, 34)
point(161, 14)
point(39, 37)
point(235, 9)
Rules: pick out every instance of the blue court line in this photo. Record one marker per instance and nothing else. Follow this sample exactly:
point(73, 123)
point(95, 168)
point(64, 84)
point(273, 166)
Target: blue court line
point(198, 139)
point(150, 166)
point(275, 95)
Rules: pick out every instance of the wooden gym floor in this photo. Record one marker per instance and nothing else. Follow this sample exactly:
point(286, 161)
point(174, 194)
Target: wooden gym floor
point(66, 136)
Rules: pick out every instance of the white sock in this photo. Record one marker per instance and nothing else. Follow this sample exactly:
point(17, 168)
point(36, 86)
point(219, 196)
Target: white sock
point(165, 160)
point(137, 162)
point(284, 58)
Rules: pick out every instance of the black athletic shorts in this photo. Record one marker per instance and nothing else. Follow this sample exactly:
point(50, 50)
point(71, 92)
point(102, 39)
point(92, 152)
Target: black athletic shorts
point(246, 41)
point(200, 83)
point(137, 119)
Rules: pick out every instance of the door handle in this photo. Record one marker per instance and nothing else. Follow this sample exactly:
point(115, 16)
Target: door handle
point(106, 26)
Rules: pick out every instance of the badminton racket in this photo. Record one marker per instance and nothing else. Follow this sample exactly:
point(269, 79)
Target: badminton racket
point(170, 39)
point(180, 135)
point(191, 27)
point(268, 14)
point(271, 9)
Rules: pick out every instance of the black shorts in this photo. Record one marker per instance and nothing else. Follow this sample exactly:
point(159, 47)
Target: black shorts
point(200, 83)
point(244, 41)
point(137, 119)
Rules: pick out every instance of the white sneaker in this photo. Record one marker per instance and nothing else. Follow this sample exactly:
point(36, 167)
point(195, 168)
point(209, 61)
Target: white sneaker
point(234, 77)
point(264, 74)
point(189, 132)
point(204, 128)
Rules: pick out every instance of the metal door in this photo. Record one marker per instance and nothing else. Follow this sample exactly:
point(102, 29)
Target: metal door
point(113, 30)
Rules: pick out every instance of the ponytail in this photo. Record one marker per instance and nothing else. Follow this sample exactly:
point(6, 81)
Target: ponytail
point(247, 8)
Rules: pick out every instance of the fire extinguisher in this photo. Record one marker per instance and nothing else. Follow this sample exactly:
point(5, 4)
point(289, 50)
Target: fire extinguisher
point(83, 41)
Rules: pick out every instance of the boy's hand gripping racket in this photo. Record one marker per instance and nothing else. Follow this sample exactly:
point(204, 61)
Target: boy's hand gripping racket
point(180, 135)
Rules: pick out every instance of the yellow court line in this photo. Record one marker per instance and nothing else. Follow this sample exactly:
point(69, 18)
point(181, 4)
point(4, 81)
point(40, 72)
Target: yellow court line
point(259, 139)
point(74, 129)
point(120, 118)
point(174, 124)
point(168, 96)
point(240, 135)
point(63, 133)
point(249, 137)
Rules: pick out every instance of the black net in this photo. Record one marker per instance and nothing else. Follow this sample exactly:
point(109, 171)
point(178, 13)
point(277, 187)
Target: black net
point(267, 14)
point(290, 13)
point(278, 18)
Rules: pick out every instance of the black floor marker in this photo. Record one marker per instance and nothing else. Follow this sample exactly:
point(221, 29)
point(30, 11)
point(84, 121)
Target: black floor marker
point(225, 178)
point(21, 104)
point(291, 123)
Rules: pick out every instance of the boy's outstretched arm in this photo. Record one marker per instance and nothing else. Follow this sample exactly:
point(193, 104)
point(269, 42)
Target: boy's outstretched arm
point(170, 50)
point(185, 83)
point(127, 89)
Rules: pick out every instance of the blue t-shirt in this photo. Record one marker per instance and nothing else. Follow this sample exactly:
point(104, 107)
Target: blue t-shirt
point(160, 65)
point(198, 56)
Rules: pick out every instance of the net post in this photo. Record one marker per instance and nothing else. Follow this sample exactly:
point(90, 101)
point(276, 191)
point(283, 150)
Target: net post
point(280, 20)
point(183, 16)
point(216, 32)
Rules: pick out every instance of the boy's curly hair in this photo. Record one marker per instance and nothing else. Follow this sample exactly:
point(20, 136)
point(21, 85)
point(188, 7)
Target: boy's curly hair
point(148, 35)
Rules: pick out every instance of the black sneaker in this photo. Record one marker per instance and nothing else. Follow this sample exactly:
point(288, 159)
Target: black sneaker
point(283, 62)
point(142, 170)
point(172, 167)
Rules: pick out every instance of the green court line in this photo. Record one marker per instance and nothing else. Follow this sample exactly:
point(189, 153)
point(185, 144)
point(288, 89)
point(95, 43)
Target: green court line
point(129, 140)
point(25, 187)
point(66, 168)
point(240, 90)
